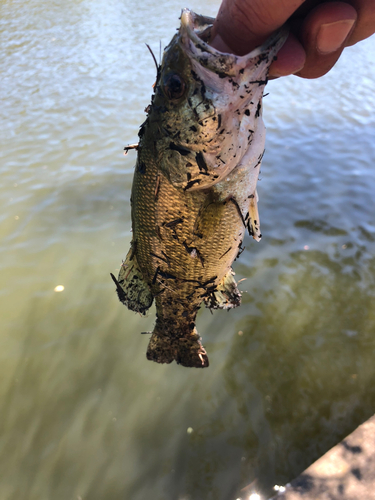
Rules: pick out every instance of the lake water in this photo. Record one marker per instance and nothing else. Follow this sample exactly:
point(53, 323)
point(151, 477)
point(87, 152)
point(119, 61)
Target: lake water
point(83, 414)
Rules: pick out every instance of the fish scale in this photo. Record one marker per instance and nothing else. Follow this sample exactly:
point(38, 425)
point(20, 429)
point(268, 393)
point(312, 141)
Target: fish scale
point(172, 204)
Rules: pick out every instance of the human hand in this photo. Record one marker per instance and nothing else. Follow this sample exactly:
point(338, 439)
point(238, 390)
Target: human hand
point(319, 31)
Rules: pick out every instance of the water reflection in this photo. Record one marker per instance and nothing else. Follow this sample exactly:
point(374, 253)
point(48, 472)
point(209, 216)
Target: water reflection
point(305, 380)
point(296, 379)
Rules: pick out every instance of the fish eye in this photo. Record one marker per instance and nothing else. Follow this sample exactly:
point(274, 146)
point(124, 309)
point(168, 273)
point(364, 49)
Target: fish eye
point(173, 86)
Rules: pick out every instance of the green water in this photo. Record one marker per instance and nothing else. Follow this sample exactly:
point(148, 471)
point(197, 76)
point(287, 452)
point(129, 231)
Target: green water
point(83, 414)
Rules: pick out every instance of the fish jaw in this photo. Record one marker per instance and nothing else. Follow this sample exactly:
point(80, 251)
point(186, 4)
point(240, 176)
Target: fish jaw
point(206, 130)
point(234, 86)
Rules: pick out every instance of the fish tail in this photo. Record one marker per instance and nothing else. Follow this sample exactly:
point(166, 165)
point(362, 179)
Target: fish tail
point(186, 350)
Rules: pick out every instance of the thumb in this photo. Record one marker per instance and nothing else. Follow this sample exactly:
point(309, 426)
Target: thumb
point(242, 25)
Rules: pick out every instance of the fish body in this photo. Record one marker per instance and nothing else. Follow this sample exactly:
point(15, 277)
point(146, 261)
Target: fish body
point(194, 187)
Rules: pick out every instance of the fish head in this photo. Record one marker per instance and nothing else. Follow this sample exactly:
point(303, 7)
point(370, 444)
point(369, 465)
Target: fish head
point(206, 110)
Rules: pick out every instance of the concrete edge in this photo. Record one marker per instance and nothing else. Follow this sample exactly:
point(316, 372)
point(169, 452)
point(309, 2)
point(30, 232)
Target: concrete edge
point(345, 472)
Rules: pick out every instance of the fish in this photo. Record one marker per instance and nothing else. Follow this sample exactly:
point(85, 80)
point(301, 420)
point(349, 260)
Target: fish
point(194, 192)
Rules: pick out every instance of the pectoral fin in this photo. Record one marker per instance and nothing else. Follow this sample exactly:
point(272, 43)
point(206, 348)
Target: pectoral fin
point(227, 294)
point(132, 290)
point(253, 222)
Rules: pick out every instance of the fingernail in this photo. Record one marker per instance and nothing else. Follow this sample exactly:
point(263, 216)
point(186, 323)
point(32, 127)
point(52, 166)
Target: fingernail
point(331, 36)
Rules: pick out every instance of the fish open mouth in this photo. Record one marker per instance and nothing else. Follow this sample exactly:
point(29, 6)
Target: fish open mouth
point(195, 32)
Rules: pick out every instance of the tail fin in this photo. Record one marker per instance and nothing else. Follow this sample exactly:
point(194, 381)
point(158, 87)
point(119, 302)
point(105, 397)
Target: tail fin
point(186, 351)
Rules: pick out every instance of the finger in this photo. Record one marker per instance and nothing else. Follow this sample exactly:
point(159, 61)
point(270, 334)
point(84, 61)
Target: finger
point(365, 25)
point(242, 25)
point(290, 58)
point(323, 35)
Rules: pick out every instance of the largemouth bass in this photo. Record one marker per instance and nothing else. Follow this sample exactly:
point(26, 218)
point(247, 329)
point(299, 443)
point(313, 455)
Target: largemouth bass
point(194, 189)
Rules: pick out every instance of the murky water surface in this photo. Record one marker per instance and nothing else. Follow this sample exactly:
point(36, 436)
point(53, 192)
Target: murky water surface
point(83, 414)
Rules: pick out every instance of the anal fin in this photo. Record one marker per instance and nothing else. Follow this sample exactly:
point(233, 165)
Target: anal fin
point(132, 290)
point(227, 294)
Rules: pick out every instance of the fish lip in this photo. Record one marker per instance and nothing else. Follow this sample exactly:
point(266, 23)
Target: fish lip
point(190, 22)
point(194, 25)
